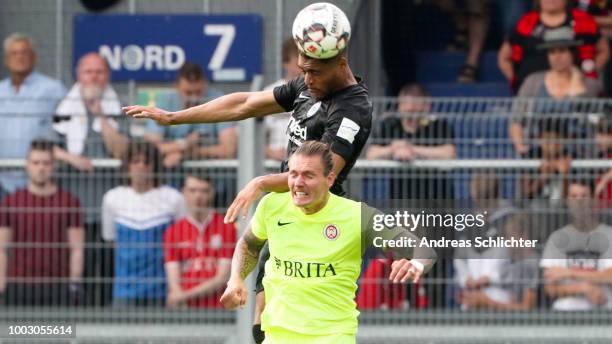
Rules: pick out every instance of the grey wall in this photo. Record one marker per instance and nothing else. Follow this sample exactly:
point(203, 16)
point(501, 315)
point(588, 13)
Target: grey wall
point(50, 23)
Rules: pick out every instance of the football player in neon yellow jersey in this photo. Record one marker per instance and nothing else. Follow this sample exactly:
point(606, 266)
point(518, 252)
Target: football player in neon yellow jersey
point(316, 241)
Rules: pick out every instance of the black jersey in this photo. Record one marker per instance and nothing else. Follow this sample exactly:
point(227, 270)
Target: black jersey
point(343, 120)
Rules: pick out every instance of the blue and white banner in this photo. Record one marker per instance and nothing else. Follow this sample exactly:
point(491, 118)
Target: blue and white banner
point(154, 47)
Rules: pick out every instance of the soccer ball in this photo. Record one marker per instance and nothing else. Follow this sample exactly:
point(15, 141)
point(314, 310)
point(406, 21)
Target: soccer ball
point(321, 30)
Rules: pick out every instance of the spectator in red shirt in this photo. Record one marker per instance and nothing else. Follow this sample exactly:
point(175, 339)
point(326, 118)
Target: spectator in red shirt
point(518, 56)
point(38, 219)
point(198, 250)
point(600, 10)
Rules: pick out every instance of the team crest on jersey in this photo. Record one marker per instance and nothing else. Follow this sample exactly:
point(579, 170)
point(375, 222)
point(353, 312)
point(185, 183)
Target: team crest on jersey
point(331, 232)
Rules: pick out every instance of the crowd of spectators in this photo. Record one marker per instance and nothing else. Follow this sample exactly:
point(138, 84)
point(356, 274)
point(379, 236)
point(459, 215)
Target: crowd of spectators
point(158, 246)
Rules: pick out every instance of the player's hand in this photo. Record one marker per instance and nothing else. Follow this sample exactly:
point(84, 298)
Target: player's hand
point(557, 274)
point(139, 111)
point(403, 270)
point(596, 295)
point(243, 202)
point(235, 295)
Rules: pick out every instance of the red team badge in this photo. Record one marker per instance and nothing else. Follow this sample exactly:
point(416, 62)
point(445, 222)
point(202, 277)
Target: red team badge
point(331, 232)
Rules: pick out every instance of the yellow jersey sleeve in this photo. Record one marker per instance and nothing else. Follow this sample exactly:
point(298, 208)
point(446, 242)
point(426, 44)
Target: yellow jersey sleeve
point(258, 221)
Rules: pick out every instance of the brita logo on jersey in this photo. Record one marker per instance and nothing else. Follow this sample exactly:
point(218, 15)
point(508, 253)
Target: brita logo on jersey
point(304, 269)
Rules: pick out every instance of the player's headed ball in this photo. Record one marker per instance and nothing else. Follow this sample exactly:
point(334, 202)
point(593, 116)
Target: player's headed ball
point(321, 30)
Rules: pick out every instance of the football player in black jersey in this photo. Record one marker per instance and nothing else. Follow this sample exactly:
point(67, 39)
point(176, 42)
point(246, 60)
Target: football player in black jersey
point(327, 103)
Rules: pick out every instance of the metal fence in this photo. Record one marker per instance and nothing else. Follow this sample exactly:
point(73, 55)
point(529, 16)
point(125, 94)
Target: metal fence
point(446, 149)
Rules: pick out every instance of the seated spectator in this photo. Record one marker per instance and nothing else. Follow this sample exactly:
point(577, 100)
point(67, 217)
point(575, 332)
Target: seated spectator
point(135, 216)
point(85, 115)
point(89, 121)
point(548, 183)
point(519, 56)
point(276, 125)
point(216, 140)
point(40, 218)
point(518, 276)
point(563, 81)
point(27, 102)
point(415, 135)
point(198, 249)
point(577, 259)
point(479, 271)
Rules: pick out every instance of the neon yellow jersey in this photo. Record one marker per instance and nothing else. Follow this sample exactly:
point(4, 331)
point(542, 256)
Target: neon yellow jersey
point(311, 276)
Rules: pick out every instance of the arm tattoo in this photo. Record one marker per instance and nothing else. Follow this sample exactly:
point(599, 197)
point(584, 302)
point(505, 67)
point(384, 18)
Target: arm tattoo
point(247, 254)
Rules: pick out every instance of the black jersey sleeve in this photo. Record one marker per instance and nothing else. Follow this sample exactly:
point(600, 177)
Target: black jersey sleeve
point(346, 129)
point(285, 94)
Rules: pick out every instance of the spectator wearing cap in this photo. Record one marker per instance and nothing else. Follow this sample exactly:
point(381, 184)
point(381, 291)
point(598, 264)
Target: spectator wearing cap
point(27, 103)
point(562, 81)
point(519, 55)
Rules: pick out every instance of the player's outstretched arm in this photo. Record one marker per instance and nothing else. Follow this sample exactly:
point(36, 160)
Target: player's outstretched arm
point(231, 107)
point(244, 261)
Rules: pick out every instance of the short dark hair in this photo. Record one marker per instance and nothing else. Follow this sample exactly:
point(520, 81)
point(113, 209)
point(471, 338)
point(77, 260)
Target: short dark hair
point(413, 90)
point(42, 145)
point(152, 157)
point(341, 53)
point(584, 178)
point(320, 149)
point(191, 72)
point(289, 50)
point(199, 175)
